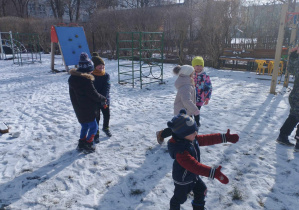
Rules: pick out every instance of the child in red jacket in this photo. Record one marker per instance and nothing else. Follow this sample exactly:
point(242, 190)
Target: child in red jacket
point(183, 147)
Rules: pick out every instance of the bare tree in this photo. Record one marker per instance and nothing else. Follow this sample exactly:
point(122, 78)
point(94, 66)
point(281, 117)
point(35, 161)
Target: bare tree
point(21, 7)
point(58, 7)
point(3, 4)
point(216, 28)
point(73, 9)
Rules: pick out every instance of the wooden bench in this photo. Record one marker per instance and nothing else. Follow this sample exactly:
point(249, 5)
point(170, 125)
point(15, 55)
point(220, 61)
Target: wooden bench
point(247, 55)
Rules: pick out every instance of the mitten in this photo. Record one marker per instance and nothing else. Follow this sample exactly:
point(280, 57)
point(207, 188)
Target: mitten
point(216, 173)
point(233, 138)
point(105, 106)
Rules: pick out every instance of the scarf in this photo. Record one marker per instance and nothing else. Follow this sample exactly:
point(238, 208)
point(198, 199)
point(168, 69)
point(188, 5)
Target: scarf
point(98, 73)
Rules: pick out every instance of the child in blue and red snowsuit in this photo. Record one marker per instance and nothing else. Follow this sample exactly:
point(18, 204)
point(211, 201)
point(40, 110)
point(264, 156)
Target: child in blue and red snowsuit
point(183, 147)
point(203, 85)
point(85, 98)
point(102, 85)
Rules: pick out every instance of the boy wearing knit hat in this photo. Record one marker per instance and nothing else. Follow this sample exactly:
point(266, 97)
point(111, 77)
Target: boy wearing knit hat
point(85, 98)
point(203, 85)
point(102, 85)
point(183, 147)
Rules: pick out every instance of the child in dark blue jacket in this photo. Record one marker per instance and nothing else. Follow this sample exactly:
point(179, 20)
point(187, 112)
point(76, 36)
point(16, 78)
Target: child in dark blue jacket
point(183, 147)
point(85, 98)
point(102, 85)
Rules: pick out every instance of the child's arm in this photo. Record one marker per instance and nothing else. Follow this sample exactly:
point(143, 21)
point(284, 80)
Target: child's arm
point(107, 85)
point(107, 90)
point(191, 164)
point(93, 93)
point(216, 138)
point(185, 93)
point(207, 89)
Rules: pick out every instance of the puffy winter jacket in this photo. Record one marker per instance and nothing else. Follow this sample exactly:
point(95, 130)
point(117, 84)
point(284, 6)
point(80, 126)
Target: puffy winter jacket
point(185, 97)
point(102, 85)
point(84, 97)
point(293, 68)
point(203, 88)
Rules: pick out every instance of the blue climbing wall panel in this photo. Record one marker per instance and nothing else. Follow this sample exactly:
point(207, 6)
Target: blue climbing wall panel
point(72, 41)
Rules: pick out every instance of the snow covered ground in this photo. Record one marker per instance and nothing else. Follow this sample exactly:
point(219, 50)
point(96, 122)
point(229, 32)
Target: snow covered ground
point(42, 170)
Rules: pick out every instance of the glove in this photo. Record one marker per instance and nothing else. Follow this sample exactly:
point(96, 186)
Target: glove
point(216, 173)
point(233, 138)
point(105, 106)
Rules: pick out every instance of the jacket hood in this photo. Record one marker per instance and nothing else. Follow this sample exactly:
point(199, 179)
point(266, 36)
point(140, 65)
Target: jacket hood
point(182, 80)
point(74, 72)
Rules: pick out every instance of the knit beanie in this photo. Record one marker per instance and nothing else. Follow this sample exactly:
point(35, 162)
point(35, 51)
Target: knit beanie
point(182, 125)
point(183, 70)
point(198, 61)
point(85, 64)
point(96, 59)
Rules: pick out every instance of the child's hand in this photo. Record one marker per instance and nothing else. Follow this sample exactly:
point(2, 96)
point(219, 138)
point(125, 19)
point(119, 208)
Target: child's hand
point(206, 102)
point(105, 106)
point(220, 176)
point(233, 138)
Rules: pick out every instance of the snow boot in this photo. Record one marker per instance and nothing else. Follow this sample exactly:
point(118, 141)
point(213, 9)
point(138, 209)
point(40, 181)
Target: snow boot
point(107, 132)
point(89, 147)
point(97, 137)
point(284, 140)
point(198, 206)
point(296, 148)
point(160, 139)
point(81, 144)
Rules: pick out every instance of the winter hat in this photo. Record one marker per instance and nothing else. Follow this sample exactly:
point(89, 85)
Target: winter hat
point(183, 70)
point(85, 64)
point(198, 61)
point(96, 59)
point(182, 125)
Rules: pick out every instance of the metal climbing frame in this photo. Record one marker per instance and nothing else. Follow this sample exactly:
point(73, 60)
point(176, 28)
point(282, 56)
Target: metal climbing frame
point(28, 48)
point(140, 57)
point(22, 47)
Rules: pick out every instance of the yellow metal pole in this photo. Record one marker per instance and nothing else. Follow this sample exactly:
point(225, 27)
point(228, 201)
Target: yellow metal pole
point(278, 47)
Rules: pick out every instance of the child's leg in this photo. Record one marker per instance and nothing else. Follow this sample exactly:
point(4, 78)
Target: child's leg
point(84, 129)
point(199, 191)
point(180, 195)
point(106, 117)
point(166, 133)
point(98, 116)
point(93, 128)
point(197, 117)
point(288, 126)
point(297, 139)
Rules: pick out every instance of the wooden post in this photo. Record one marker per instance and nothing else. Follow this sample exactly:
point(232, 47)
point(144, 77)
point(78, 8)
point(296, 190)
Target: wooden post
point(292, 40)
point(52, 55)
point(278, 47)
point(66, 67)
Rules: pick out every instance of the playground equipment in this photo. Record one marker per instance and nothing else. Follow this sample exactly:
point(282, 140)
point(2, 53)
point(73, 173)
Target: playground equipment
point(22, 48)
point(271, 66)
point(284, 18)
point(140, 57)
point(71, 41)
point(261, 66)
